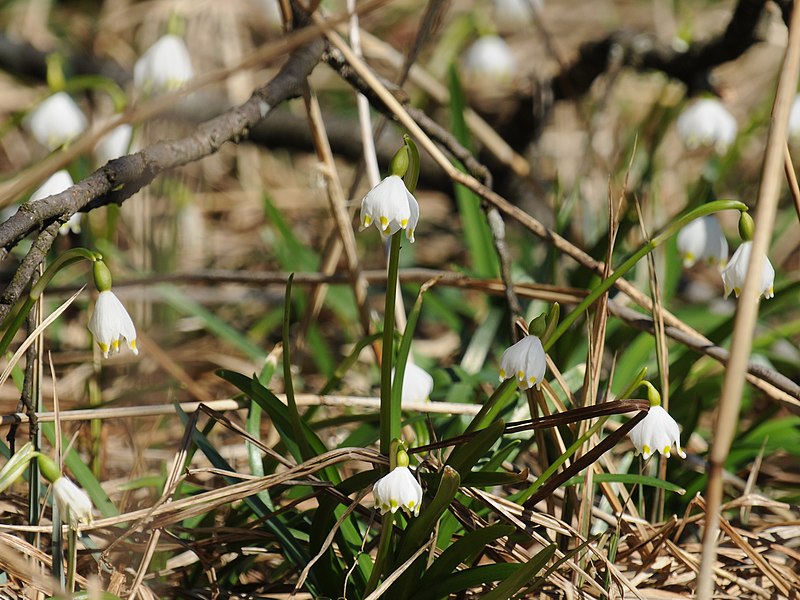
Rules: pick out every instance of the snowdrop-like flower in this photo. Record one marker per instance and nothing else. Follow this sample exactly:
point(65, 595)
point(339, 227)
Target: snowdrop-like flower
point(111, 323)
point(512, 15)
point(417, 384)
point(526, 361)
point(398, 489)
point(56, 121)
point(489, 61)
point(707, 123)
point(794, 121)
point(391, 207)
point(114, 144)
point(702, 239)
point(657, 432)
point(57, 183)
point(73, 503)
point(165, 66)
point(733, 276)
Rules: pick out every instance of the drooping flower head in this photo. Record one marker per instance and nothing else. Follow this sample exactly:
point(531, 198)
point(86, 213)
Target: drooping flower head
point(702, 239)
point(489, 60)
point(165, 66)
point(657, 432)
point(73, 503)
point(391, 207)
point(417, 384)
point(398, 489)
point(735, 274)
point(525, 361)
point(110, 323)
point(707, 123)
point(56, 121)
point(55, 184)
point(114, 144)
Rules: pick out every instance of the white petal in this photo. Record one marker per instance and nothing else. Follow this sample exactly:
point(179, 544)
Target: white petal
point(111, 323)
point(114, 144)
point(526, 361)
point(398, 489)
point(56, 121)
point(735, 273)
point(56, 183)
point(657, 432)
point(708, 123)
point(417, 384)
point(490, 58)
point(702, 239)
point(72, 501)
point(165, 66)
point(391, 207)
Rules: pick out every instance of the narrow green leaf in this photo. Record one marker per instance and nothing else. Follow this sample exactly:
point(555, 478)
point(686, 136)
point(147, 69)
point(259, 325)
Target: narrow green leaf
point(463, 551)
point(629, 479)
point(464, 457)
point(16, 466)
point(462, 580)
point(520, 579)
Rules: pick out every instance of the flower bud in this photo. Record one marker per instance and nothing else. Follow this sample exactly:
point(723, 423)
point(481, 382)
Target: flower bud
point(746, 226)
point(102, 276)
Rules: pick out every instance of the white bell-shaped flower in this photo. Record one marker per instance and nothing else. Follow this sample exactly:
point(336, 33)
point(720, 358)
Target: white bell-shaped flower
point(56, 121)
point(657, 432)
point(488, 61)
point(526, 361)
point(794, 121)
point(513, 15)
point(391, 207)
point(417, 384)
point(734, 275)
point(165, 66)
point(55, 184)
point(114, 144)
point(111, 323)
point(702, 239)
point(73, 503)
point(398, 489)
point(707, 123)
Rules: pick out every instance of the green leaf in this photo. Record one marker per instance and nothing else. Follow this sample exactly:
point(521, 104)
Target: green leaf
point(476, 230)
point(464, 457)
point(511, 585)
point(466, 579)
point(465, 551)
point(629, 479)
point(16, 466)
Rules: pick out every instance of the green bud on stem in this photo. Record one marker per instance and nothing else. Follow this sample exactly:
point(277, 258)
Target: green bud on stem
point(652, 394)
point(538, 326)
point(102, 276)
point(746, 226)
point(49, 468)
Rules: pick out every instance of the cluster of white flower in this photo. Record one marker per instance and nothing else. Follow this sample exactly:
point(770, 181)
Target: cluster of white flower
point(703, 239)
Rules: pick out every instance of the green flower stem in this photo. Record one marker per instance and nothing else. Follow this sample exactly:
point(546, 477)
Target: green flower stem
point(669, 231)
point(542, 479)
point(384, 547)
point(484, 416)
point(66, 259)
point(390, 414)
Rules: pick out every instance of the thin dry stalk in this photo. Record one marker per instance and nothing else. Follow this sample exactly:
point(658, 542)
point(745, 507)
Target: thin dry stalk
point(747, 310)
point(386, 584)
point(338, 205)
point(791, 178)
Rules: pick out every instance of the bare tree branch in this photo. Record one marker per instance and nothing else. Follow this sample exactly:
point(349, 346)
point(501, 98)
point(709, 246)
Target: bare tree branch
point(121, 178)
